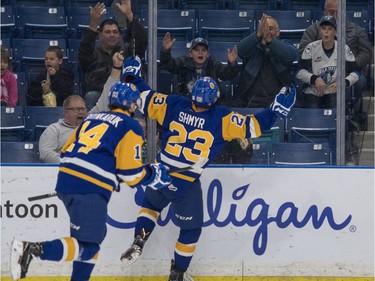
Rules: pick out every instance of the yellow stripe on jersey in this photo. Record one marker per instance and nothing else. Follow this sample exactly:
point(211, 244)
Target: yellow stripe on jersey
point(157, 107)
point(184, 177)
point(254, 127)
point(152, 215)
point(185, 250)
point(234, 126)
point(86, 177)
point(71, 248)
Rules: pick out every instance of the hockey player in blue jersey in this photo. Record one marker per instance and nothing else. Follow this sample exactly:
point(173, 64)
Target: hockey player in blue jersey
point(103, 151)
point(190, 130)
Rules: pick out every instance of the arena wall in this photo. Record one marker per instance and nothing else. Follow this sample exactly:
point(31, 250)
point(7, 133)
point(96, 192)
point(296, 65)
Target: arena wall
point(260, 224)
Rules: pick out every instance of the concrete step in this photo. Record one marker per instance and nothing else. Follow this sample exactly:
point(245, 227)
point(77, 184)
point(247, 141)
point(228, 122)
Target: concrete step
point(365, 139)
point(371, 122)
point(368, 104)
point(367, 157)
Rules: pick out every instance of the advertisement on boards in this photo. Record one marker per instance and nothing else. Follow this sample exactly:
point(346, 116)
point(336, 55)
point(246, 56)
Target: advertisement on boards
point(257, 222)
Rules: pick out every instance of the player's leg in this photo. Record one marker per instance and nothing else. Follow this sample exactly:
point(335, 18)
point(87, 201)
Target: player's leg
point(88, 214)
point(189, 213)
point(88, 217)
point(153, 203)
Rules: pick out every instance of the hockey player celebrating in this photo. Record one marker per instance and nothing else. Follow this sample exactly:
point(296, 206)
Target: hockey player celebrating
point(190, 130)
point(103, 151)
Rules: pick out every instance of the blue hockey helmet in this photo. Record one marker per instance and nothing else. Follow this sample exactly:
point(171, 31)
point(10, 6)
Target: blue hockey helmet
point(123, 95)
point(205, 92)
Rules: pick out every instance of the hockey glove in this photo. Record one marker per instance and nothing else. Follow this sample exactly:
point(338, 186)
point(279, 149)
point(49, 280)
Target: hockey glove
point(284, 101)
point(159, 176)
point(131, 69)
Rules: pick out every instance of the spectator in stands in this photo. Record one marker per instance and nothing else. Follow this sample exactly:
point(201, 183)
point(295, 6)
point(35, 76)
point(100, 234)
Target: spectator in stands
point(9, 88)
point(196, 64)
point(96, 62)
point(56, 134)
point(55, 84)
point(356, 39)
point(267, 65)
point(237, 151)
point(318, 67)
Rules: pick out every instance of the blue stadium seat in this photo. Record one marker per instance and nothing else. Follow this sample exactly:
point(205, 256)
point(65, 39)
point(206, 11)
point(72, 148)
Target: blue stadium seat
point(38, 118)
point(218, 49)
point(86, 3)
point(313, 125)
point(41, 22)
point(165, 81)
point(8, 22)
point(359, 17)
point(180, 48)
point(360, 5)
point(303, 4)
point(47, 3)
point(19, 152)
point(6, 43)
point(22, 87)
point(73, 45)
point(225, 25)
point(309, 154)
point(28, 54)
point(292, 23)
point(317, 14)
point(261, 153)
point(199, 4)
point(78, 21)
point(252, 4)
point(180, 23)
point(78, 18)
point(162, 4)
point(12, 123)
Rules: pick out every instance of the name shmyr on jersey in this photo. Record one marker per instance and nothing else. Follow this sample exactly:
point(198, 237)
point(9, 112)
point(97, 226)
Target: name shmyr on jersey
point(191, 120)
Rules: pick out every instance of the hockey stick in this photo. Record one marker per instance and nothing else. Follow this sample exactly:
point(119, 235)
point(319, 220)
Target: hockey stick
point(43, 196)
point(199, 164)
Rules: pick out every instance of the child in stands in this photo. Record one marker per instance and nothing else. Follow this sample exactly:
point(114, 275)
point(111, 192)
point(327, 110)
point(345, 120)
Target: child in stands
point(9, 88)
point(55, 84)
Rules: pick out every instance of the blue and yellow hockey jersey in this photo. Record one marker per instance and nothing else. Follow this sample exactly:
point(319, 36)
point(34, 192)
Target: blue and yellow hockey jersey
point(103, 151)
point(188, 135)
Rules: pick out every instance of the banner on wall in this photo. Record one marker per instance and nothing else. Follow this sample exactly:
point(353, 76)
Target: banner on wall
point(257, 221)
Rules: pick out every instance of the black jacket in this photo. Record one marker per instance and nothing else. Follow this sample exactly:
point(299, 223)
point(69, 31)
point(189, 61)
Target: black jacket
point(62, 84)
point(187, 73)
point(96, 64)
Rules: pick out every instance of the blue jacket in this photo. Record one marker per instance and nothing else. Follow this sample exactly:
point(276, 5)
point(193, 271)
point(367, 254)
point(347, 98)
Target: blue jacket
point(282, 55)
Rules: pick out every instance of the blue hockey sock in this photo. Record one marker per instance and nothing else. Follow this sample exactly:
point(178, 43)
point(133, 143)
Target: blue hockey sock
point(185, 247)
point(81, 271)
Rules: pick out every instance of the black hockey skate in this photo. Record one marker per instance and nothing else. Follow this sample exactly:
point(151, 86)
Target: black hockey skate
point(21, 254)
point(178, 275)
point(135, 250)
